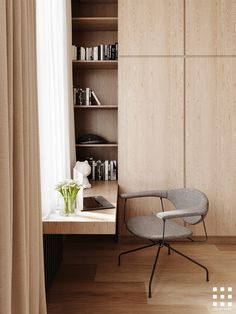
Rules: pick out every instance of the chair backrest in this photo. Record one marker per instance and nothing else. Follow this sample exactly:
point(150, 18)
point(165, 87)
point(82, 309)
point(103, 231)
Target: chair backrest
point(186, 198)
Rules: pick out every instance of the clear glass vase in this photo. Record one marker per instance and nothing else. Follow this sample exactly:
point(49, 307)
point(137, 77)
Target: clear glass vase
point(68, 207)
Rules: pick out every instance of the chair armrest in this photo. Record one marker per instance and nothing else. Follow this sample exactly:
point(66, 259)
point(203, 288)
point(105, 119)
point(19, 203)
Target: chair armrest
point(180, 213)
point(154, 193)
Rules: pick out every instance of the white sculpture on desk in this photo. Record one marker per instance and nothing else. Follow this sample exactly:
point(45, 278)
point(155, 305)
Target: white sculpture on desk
point(82, 167)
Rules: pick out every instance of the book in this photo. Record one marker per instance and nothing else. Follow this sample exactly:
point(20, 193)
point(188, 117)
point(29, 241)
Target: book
point(94, 165)
point(101, 52)
point(81, 53)
point(106, 168)
point(87, 92)
point(81, 99)
point(113, 170)
point(78, 53)
point(74, 52)
point(86, 53)
point(116, 44)
point(113, 52)
point(95, 53)
point(98, 172)
point(95, 98)
point(90, 53)
point(90, 97)
point(103, 170)
point(109, 52)
point(106, 53)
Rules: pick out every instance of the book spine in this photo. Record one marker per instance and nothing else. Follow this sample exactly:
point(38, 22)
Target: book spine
point(113, 52)
point(105, 53)
point(78, 53)
point(81, 97)
point(94, 170)
point(106, 164)
point(86, 53)
point(102, 170)
point(95, 53)
point(87, 96)
point(95, 98)
point(82, 53)
point(101, 52)
point(90, 53)
point(98, 176)
point(116, 44)
point(113, 170)
point(109, 52)
point(73, 52)
point(90, 97)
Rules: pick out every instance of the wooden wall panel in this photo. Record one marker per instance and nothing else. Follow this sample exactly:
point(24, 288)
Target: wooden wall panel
point(211, 27)
point(211, 138)
point(150, 131)
point(151, 27)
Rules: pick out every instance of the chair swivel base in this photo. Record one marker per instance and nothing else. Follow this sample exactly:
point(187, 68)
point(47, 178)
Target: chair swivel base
point(161, 245)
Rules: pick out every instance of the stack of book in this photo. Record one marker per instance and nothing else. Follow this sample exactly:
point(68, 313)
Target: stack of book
point(103, 170)
point(101, 52)
point(85, 97)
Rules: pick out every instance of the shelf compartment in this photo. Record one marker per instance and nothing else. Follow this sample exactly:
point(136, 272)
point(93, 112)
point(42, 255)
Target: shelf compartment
point(93, 107)
point(95, 23)
point(100, 64)
point(97, 145)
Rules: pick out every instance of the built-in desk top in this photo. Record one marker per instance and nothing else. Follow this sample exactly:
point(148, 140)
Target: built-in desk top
point(87, 222)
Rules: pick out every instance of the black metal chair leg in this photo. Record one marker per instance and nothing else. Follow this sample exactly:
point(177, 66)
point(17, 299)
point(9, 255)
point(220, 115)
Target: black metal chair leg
point(153, 270)
point(168, 250)
point(192, 260)
point(130, 251)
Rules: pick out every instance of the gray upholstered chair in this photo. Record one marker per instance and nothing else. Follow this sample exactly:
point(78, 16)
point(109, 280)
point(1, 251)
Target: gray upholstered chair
point(190, 204)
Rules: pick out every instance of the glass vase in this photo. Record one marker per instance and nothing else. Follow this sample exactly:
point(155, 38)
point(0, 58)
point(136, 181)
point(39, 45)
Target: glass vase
point(68, 207)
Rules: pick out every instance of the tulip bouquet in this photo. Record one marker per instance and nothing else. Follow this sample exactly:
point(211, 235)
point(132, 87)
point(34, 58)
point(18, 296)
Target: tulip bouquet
point(69, 190)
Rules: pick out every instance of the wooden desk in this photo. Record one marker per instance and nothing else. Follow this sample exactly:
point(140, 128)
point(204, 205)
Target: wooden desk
point(87, 222)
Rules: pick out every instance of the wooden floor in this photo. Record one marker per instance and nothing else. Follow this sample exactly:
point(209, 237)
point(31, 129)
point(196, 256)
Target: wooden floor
point(89, 280)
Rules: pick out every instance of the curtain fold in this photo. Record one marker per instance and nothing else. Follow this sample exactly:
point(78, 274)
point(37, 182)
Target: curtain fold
point(56, 119)
point(21, 261)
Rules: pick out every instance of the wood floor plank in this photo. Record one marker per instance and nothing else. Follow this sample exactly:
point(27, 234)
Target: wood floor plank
point(115, 293)
point(90, 282)
point(79, 272)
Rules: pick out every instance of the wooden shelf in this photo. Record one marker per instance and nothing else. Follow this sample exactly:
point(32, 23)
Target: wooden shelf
point(95, 23)
point(100, 64)
point(97, 145)
point(96, 107)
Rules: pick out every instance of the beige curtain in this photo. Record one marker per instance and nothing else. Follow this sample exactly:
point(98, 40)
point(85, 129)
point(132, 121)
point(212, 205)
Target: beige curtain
point(21, 258)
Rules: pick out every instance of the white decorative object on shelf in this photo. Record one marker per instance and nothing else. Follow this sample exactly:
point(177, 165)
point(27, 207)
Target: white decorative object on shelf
point(79, 202)
point(83, 168)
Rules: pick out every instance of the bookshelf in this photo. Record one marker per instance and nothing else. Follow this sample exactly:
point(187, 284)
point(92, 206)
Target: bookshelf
point(94, 107)
point(97, 145)
point(100, 64)
point(94, 23)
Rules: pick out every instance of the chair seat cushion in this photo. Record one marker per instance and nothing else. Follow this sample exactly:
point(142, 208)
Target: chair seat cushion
point(151, 227)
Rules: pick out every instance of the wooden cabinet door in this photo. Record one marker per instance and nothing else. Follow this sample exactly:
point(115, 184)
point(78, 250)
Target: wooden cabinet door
point(211, 27)
point(211, 138)
point(150, 27)
point(150, 132)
